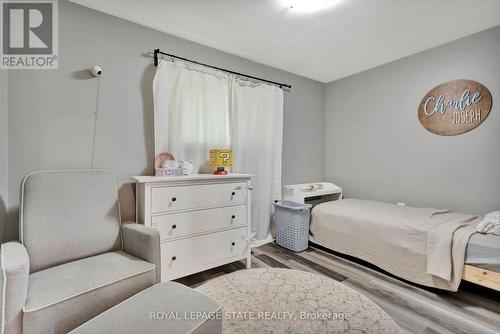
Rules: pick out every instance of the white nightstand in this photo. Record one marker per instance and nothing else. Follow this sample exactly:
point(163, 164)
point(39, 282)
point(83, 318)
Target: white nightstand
point(312, 193)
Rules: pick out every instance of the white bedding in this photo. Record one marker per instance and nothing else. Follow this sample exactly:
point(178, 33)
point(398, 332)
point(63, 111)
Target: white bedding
point(423, 245)
point(490, 224)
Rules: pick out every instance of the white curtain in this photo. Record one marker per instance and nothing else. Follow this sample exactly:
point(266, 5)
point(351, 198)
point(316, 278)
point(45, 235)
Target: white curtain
point(197, 108)
point(256, 140)
point(191, 111)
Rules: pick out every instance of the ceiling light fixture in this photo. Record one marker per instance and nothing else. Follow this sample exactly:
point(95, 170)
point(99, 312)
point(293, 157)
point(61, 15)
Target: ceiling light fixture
point(309, 5)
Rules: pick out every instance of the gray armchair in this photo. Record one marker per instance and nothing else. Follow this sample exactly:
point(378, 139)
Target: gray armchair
point(75, 259)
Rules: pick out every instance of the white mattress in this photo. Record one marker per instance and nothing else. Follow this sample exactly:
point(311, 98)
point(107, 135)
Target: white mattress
point(483, 251)
point(426, 246)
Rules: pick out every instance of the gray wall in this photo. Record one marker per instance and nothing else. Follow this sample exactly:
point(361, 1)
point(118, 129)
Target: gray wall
point(4, 152)
point(376, 148)
point(51, 112)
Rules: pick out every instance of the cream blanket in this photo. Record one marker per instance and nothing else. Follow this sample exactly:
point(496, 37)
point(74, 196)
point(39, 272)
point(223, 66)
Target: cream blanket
point(422, 245)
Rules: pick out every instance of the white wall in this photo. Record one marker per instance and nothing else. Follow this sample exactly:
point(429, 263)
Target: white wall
point(51, 112)
point(376, 148)
point(4, 153)
point(374, 145)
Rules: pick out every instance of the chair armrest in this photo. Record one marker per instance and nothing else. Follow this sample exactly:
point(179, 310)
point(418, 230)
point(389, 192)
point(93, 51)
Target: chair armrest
point(15, 267)
point(143, 242)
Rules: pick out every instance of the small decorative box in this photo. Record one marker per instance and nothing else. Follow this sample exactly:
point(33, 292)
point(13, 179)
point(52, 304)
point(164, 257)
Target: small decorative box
point(166, 171)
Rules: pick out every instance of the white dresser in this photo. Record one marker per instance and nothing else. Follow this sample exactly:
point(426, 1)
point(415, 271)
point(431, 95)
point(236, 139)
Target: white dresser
point(203, 219)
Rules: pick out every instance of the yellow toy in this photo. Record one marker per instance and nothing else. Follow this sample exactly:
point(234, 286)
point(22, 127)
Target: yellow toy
point(221, 158)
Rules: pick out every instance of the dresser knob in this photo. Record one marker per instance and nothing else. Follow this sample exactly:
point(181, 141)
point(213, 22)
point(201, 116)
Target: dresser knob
point(233, 243)
point(174, 199)
point(233, 193)
point(174, 258)
point(174, 226)
point(233, 216)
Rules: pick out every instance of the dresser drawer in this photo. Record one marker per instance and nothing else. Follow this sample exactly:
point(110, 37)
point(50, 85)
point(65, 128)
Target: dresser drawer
point(166, 199)
point(185, 254)
point(176, 225)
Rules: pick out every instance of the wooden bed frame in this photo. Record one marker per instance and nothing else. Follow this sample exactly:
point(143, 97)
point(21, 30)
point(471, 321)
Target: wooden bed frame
point(483, 277)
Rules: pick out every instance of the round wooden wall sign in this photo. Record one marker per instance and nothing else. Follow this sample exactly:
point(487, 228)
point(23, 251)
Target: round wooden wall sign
point(455, 107)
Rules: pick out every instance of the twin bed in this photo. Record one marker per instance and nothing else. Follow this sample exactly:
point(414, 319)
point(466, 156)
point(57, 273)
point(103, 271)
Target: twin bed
point(431, 247)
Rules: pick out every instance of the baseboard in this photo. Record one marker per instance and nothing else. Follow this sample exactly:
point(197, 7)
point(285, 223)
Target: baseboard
point(258, 243)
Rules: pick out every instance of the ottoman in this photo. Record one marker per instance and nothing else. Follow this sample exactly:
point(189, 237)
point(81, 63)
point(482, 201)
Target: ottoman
point(163, 308)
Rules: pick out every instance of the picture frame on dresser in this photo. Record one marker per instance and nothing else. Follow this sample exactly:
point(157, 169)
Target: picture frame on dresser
point(203, 220)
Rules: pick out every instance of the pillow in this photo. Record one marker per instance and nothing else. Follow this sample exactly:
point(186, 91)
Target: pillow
point(490, 223)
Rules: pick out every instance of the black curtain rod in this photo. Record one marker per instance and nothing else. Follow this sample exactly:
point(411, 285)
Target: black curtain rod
point(157, 52)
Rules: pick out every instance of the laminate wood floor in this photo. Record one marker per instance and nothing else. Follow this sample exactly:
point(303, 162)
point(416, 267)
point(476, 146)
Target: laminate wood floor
point(416, 309)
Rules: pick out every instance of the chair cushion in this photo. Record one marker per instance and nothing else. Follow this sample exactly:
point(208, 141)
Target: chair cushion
point(63, 297)
point(69, 215)
point(164, 308)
